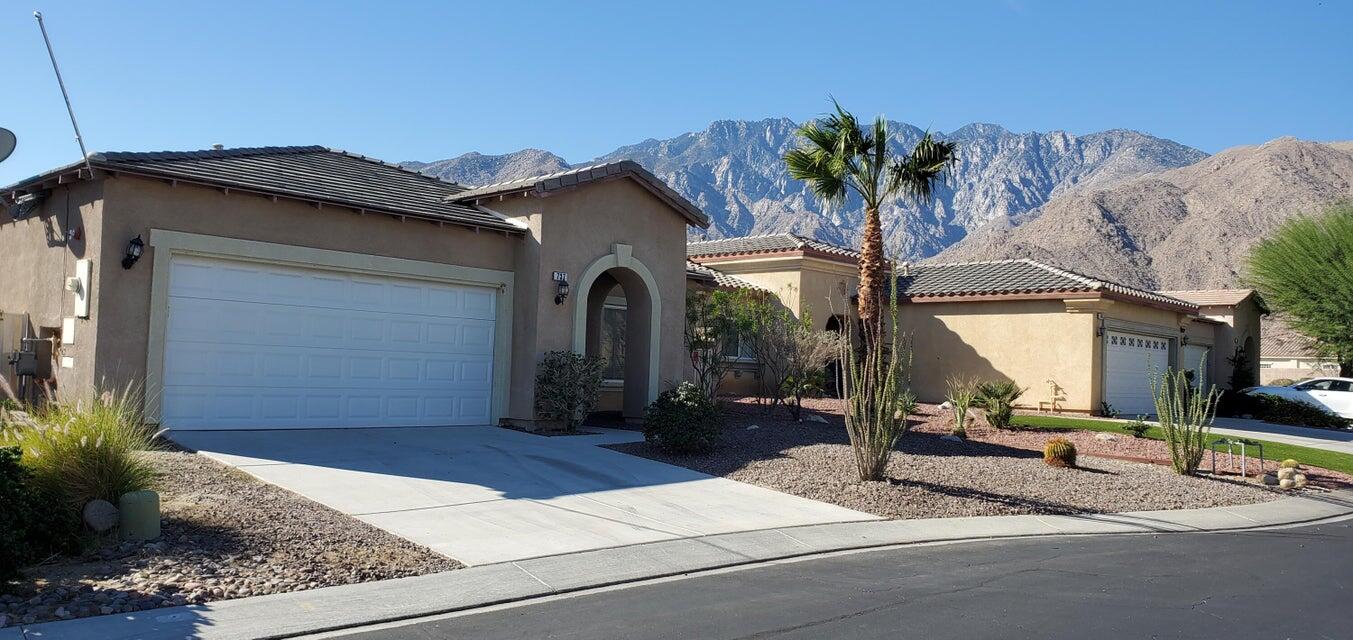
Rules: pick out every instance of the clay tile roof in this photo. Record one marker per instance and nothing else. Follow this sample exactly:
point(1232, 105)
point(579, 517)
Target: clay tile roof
point(311, 173)
point(701, 272)
point(960, 279)
point(1278, 340)
point(570, 178)
point(770, 243)
point(1211, 297)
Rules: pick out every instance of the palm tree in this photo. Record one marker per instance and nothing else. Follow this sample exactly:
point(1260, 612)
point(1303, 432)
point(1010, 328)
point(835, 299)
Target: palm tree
point(839, 156)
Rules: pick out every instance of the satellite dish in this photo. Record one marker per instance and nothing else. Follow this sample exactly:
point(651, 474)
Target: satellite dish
point(7, 142)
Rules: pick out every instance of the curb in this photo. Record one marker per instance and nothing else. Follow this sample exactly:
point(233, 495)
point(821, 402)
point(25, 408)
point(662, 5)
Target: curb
point(336, 608)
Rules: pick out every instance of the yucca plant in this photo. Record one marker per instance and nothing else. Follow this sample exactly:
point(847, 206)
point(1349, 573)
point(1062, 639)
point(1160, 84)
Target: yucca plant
point(963, 393)
point(874, 384)
point(998, 400)
point(87, 449)
point(1185, 414)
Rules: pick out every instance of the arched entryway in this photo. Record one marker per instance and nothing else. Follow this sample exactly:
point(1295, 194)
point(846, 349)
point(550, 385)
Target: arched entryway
point(617, 317)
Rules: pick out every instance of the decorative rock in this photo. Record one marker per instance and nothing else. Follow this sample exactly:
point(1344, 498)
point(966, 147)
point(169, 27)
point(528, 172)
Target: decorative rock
point(61, 612)
point(1286, 473)
point(753, 427)
point(1287, 483)
point(4, 621)
point(1299, 481)
point(100, 515)
point(1107, 437)
point(1270, 480)
point(815, 418)
point(946, 405)
point(951, 438)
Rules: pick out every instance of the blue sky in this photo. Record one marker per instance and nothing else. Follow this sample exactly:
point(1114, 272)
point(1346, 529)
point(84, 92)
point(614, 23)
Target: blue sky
point(429, 80)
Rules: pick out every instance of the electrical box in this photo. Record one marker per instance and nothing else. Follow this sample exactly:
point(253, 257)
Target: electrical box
point(34, 358)
point(80, 288)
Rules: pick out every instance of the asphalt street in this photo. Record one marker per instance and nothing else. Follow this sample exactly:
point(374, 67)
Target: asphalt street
point(1283, 583)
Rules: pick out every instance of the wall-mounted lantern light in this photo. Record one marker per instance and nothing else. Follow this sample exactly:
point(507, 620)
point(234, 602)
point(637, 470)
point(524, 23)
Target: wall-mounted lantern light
point(561, 287)
point(134, 249)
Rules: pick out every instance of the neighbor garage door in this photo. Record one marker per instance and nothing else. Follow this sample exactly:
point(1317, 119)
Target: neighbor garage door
point(255, 345)
point(1129, 362)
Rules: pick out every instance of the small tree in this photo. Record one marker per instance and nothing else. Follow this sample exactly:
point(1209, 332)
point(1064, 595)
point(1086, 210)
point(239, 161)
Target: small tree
point(1242, 376)
point(768, 330)
point(1185, 413)
point(712, 322)
point(567, 387)
point(807, 358)
point(1304, 270)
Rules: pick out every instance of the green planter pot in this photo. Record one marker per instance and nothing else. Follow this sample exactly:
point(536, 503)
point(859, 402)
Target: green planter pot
point(140, 515)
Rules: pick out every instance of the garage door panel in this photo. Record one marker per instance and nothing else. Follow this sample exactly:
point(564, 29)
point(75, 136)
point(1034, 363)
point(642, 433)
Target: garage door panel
point(1131, 360)
point(252, 345)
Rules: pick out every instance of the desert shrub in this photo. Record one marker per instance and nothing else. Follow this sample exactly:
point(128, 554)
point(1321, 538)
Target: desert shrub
point(1137, 427)
point(998, 400)
point(567, 386)
point(31, 529)
point(1281, 382)
point(86, 449)
point(1280, 411)
point(1060, 452)
point(1185, 414)
point(683, 420)
point(1107, 410)
point(874, 381)
point(961, 396)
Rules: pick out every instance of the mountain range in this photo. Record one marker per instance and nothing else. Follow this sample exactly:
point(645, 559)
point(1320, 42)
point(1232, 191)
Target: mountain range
point(1116, 204)
point(734, 171)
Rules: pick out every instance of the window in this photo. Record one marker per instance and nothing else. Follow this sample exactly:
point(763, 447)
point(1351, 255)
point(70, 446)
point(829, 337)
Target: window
point(737, 350)
point(612, 344)
point(1340, 385)
point(1317, 385)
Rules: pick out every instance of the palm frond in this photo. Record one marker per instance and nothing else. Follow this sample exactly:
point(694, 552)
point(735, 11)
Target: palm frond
point(915, 174)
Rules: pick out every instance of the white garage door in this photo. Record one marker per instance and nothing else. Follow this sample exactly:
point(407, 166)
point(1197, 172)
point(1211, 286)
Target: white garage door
point(254, 345)
point(1129, 362)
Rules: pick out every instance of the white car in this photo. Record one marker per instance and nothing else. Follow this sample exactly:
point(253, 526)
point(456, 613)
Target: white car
point(1333, 394)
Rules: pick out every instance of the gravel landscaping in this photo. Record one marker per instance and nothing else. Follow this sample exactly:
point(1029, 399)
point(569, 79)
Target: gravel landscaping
point(929, 477)
point(224, 535)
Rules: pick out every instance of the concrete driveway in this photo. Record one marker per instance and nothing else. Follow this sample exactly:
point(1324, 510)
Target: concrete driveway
point(485, 494)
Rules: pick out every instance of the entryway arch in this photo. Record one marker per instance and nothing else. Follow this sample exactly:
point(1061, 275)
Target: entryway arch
point(643, 321)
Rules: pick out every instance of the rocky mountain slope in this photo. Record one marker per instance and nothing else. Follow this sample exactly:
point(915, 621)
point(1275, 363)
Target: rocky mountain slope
point(733, 170)
point(1179, 229)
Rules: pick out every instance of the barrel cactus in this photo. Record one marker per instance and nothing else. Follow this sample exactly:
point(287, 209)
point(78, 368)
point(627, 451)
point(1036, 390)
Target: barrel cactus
point(1059, 452)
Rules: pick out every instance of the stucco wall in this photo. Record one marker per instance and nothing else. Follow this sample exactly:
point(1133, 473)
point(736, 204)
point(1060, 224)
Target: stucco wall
point(1240, 323)
point(35, 260)
point(134, 206)
point(571, 230)
point(1030, 342)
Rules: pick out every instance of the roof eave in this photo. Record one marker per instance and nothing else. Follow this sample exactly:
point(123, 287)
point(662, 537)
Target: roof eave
point(144, 172)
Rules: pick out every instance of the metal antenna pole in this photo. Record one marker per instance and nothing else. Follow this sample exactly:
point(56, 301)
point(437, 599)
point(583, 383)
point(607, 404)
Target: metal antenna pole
point(62, 83)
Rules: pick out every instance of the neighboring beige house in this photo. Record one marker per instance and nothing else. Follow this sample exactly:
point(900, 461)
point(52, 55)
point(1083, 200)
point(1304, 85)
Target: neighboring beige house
point(1288, 355)
point(1075, 342)
point(304, 287)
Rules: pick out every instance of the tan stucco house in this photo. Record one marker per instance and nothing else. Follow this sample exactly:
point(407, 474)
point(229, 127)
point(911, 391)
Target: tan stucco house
point(303, 287)
point(1078, 344)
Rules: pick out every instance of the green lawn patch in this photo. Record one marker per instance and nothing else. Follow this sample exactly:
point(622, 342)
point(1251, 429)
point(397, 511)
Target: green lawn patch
point(1272, 450)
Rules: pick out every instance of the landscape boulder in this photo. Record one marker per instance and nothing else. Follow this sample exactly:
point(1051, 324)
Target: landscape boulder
point(100, 515)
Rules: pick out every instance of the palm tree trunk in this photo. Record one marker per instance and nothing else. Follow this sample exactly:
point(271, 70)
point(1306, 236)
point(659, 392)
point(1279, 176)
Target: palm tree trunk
point(871, 278)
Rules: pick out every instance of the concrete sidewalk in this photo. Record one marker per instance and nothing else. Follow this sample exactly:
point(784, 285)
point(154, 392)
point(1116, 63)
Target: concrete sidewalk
point(333, 608)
